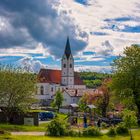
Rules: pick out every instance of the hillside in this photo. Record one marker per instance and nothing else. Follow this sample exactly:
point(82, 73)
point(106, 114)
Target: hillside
point(93, 79)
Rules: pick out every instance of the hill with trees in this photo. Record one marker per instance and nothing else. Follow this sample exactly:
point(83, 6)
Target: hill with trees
point(93, 79)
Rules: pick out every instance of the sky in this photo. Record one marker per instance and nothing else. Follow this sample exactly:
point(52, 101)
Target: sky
point(33, 33)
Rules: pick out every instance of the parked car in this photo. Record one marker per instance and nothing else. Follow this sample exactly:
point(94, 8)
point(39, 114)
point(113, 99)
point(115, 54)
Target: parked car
point(46, 115)
point(111, 121)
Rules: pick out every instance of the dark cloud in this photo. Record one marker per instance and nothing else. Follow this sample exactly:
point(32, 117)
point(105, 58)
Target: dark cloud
point(27, 22)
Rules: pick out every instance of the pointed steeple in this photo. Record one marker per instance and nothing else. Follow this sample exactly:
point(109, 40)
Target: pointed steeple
point(67, 48)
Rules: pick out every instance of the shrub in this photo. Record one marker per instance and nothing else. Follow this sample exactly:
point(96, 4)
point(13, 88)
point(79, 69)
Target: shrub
point(121, 129)
point(4, 132)
point(73, 133)
point(56, 128)
point(112, 131)
point(104, 125)
point(91, 131)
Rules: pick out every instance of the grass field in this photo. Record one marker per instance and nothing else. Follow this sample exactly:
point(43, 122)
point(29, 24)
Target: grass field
point(10, 127)
point(136, 134)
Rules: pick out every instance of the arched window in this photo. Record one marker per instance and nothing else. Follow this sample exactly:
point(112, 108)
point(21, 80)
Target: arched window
point(64, 65)
point(70, 65)
point(42, 90)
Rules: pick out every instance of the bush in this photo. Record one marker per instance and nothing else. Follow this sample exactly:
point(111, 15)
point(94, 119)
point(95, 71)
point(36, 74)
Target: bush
point(4, 132)
point(57, 128)
point(91, 131)
point(112, 131)
point(104, 125)
point(121, 129)
point(73, 133)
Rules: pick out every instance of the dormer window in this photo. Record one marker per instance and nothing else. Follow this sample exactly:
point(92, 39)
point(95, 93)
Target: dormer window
point(64, 65)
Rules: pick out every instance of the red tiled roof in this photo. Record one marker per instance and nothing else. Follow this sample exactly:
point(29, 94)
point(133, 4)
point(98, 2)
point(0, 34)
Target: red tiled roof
point(49, 76)
point(54, 76)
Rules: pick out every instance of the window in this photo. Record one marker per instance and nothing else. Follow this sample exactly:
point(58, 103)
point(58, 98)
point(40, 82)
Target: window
point(70, 65)
point(64, 65)
point(52, 89)
point(42, 90)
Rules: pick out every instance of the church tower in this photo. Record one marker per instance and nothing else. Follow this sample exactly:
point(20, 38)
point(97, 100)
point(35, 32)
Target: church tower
point(67, 66)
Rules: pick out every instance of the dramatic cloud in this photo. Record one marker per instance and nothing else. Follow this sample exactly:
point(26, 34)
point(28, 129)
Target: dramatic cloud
point(25, 23)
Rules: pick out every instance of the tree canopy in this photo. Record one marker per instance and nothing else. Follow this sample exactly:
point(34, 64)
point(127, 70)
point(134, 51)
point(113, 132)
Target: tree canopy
point(126, 79)
point(58, 100)
point(93, 79)
point(17, 89)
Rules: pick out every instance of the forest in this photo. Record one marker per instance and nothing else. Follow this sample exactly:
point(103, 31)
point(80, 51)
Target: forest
point(93, 79)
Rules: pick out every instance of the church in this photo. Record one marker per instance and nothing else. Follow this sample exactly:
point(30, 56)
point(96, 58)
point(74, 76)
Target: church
point(65, 80)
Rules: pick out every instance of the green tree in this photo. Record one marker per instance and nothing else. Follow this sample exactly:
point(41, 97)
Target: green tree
point(129, 119)
point(17, 89)
point(58, 100)
point(83, 102)
point(126, 79)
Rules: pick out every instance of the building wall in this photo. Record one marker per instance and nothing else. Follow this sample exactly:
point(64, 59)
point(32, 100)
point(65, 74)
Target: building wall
point(67, 99)
point(49, 90)
point(67, 67)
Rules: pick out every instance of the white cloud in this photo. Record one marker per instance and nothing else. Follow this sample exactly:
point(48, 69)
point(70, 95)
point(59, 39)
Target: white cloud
point(92, 18)
point(29, 64)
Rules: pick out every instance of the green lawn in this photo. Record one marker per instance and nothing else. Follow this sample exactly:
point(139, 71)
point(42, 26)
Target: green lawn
point(10, 127)
point(136, 134)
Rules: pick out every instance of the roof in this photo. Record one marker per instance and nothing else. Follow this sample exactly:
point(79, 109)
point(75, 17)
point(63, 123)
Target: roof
point(49, 76)
point(74, 92)
point(74, 105)
point(67, 49)
point(91, 106)
point(54, 76)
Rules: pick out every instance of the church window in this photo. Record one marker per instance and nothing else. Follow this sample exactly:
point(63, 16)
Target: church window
point(64, 65)
point(42, 90)
point(70, 65)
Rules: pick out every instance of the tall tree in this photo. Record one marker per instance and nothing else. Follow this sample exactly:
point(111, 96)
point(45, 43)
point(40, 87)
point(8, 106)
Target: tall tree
point(58, 99)
point(104, 98)
point(17, 89)
point(126, 79)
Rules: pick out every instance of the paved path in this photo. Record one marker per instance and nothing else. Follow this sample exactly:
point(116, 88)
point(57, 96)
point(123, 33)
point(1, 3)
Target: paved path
point(29, 133)
point(40, 133)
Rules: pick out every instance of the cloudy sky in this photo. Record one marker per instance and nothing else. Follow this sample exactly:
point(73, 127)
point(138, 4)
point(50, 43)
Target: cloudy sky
point(33, 32)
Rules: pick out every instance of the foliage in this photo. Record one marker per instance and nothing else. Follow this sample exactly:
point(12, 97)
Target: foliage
point(93, 79)
point(17, 90)
point(58, 100)
point(91, 131)
point(130, 119)
point(104, 99)
point(104, 125)
point(83, 102)
point(74, 133)
point(121, 129)
point(126, 79)
point(112, 131)
point(57, 128)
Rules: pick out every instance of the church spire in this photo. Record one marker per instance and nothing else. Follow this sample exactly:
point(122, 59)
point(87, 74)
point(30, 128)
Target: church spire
point(67, 48)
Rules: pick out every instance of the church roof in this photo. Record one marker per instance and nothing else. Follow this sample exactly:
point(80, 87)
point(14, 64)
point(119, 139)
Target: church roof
point(67, 49)
point(54, 76)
